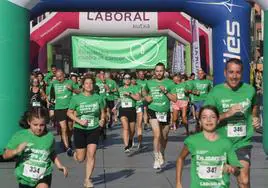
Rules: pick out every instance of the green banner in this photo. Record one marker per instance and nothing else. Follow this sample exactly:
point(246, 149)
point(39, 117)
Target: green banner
point(118, 53)
point(188, 59)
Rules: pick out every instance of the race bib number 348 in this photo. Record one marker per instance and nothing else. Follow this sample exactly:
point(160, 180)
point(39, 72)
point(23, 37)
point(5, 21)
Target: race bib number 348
point(234, 130)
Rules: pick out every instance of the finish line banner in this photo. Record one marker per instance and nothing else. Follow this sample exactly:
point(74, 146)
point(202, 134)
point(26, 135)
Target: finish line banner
point(118, 53)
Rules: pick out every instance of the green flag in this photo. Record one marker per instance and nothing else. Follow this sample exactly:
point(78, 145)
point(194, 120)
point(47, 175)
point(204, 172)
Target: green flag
point(118, 53)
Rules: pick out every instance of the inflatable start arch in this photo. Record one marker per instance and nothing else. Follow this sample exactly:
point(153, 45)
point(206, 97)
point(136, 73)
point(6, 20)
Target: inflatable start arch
point(229, 20)
point(57, 25)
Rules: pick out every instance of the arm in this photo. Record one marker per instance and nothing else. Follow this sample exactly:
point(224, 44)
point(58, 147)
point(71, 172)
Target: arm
point(72, 116)
point(136, 96)
point(147, 97)
point(255, 117)
point(77, 91)
point(10, 153)
point(170, 96)
point(102, 118)
point(43, 95)
point(59, 165)
point(231, 112)
point(179, 166)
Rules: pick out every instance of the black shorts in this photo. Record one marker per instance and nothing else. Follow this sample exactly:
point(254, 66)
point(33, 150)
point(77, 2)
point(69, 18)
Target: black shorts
point(152, 115)
point(47, 180)
point(244, 154)
point(82, 138)
point(61, 115)
point(110, 104)
point(130, 113)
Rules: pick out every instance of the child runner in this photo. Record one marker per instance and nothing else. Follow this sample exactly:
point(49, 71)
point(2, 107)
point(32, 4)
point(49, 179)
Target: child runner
point(35, 151)
point(213, 156)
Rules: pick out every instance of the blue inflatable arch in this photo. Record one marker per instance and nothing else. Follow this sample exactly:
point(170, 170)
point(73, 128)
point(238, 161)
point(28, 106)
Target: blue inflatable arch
point(229, 19)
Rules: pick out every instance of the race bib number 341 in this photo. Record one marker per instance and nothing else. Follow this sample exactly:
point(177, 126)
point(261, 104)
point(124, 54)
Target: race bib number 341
point(210, 172)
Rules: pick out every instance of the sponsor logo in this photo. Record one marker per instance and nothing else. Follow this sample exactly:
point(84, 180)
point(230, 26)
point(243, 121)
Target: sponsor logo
point(233, 40)
point(118, 16)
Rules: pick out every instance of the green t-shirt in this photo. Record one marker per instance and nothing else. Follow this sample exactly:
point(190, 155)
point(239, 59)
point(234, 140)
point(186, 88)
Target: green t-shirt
point(101, 88)
point(63, 95)
point(126, 101)
point(87, 108)
point(180, 89)
point(35, 161)
point(111, 96)
point(160, 101)
point(76, 86)
point(203, 86)
point(239, 127)
point(141, 82)
point(48, 77)
point(189, 83)
point(138, 89)
point(208, 159)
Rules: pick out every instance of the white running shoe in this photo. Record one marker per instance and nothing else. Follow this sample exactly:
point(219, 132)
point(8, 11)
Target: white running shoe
point(156, 161)
point(161, 159)
point(157, 164)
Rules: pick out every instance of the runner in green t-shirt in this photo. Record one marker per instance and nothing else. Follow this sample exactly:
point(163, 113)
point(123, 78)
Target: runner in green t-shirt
point(181, 90)
point(142, 81)
point(76, 86)
point(87, 111)
point(213, 156)
point(49, 76)
point(158, 94)
point(101, 90)
point(63, 90)
point(127, 111)
point(139, 111)
point(236, 102)
point(199, 89)
point(111, 89)
point(35, 150)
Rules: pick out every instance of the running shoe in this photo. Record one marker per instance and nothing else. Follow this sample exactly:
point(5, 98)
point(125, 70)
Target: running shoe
point(156, 161)
point(156, 164)
point(88, 184)
point(126, 149)
point(161, 159)
point(70, 152)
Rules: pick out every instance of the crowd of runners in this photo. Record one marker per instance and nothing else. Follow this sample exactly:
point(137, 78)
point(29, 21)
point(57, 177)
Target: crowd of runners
point(82, 108)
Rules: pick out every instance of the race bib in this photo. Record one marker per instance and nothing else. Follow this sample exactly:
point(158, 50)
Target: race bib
point(138, 110)
point(210, 172)
point(126, 104)
point(90, 120)
point(180, 95)
point(102, 90)
point(34, 172)
point(161, 116)
point(236, 130)
point(36, 104)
